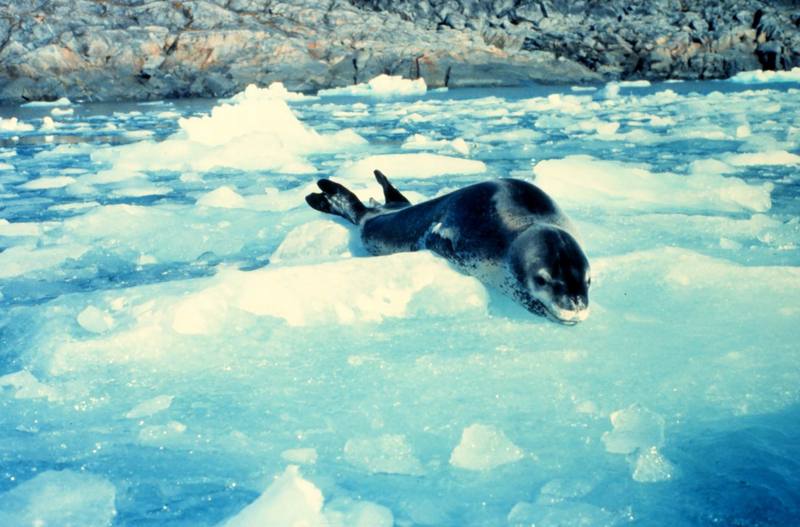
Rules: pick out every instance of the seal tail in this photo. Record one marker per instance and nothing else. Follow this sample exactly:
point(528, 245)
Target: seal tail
point(338, 200)
point(390, 193)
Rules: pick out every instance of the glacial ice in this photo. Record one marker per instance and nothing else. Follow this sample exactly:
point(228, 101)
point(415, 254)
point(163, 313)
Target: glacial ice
point(382, 86)
point(176, 325)
point(763, 76)
point(62, 101)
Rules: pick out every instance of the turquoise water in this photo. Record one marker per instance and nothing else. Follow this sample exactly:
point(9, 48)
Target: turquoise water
point(177, 327)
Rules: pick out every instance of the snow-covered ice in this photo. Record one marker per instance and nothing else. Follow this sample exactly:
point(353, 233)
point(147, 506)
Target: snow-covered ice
point(179, 331)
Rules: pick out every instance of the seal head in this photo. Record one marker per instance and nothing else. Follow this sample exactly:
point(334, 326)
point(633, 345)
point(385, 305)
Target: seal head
point(549, 274)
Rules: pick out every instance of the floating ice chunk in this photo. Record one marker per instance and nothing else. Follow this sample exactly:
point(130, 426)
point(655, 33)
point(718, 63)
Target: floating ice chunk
point(12, 124)
point(146, 259)
point(568, 104)
point(141, 191)
point(150, 407)
point(460, 146)
point(558, 490)
point(66, 498)
point(110, 176)
point(594, 125)
point(483, 447)
point(584, 179)
point(23, 259)
point(659, 121)
point(63, 101)
point(96, 321)
point(421, 142)
point(345, 512)
point(48, 124)
point(139, 134)
point(652, 467)
point(276, 90)
point(635, 428)
point(609, 91)
point(411, 166)
point(8, 228)
point(727, 243)
point(774, 157)
point(710, 166)
point(256, 133)
point(74, 206)
point(289, 501)
point(274, 199)
point(634, 84)
point(301, 456)
point(521, 135)
point(62, 111)
point(759, 76)
point(314, 241)
point(26, 386)
point(159, 434)
point(386, 454)
point(382, 86)
point(223, 197)
point(44, 183)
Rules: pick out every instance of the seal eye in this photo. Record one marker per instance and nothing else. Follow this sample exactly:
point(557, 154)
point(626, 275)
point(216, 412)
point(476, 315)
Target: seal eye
point(539, 281)
point(589, 281)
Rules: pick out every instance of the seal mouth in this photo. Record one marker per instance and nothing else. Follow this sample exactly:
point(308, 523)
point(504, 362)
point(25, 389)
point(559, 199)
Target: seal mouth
point(568, 317)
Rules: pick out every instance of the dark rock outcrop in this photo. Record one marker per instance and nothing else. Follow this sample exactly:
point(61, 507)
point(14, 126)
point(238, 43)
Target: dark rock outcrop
point(145, 49)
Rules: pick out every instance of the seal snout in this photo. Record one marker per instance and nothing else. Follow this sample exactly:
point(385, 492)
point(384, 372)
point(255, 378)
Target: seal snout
point(571, 311)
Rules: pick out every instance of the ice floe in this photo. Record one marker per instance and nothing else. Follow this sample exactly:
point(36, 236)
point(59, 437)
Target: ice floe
point(382, 86)
point(763, 76)
point(60, 498)
point(586, 180)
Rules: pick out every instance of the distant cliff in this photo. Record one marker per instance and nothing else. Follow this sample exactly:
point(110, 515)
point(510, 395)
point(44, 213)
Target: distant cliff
point(139, 49)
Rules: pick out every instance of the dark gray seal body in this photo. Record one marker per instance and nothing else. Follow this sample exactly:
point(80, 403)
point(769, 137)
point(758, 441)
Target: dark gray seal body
point(506, 232)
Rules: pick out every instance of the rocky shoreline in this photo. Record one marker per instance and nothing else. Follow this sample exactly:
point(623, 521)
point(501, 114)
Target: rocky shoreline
point(107, 50)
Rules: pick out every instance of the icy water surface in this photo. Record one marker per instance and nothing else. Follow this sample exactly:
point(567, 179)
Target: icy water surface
point(183, 342)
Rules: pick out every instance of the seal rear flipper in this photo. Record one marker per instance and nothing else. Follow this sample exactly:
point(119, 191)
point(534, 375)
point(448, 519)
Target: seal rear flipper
point(318, 202)
point(390, 193)
point(337, 199)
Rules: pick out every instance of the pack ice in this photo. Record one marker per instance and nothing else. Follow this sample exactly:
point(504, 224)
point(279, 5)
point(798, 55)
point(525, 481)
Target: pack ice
point(184, 342)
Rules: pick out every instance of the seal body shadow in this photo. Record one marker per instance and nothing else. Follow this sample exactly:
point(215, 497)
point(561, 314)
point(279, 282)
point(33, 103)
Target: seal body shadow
point(508, 233)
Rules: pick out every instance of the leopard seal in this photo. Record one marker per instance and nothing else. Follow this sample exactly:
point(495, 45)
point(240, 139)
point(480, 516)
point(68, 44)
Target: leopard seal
point(506, 232)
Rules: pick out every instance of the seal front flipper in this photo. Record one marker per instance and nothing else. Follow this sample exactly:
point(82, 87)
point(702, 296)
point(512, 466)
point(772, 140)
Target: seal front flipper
point(337, 199)
point(390, 193)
